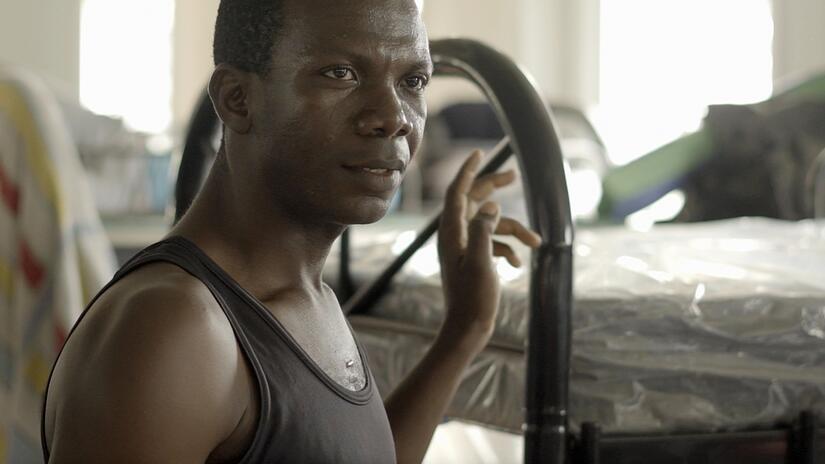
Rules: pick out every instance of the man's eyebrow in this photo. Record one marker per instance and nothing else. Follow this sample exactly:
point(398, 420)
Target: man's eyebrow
point(425, 64)
point(418, 61)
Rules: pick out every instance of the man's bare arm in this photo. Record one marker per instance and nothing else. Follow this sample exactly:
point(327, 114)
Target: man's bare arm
point(151, 378)
point(471, 290)
point(418, 404)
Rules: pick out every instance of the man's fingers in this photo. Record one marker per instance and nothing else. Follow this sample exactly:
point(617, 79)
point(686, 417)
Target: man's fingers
point(480, 234)
point(463, 181)
point(484, 186)
point(509, 226)
point(506, 251)
point(452, 234)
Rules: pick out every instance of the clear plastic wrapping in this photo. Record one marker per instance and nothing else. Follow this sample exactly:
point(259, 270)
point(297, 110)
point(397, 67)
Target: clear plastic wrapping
point(684, 327)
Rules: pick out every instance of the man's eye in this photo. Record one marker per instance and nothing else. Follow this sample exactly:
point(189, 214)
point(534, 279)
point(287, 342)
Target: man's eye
point(341, 73)
point(416, 82)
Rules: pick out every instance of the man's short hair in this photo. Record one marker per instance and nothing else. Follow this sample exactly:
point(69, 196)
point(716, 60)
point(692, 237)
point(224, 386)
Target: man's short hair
point(245, 33)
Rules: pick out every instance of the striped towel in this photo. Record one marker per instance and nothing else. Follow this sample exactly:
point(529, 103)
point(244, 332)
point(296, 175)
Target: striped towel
point(54, 254)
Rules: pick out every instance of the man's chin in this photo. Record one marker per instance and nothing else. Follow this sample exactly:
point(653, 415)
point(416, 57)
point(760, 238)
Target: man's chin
point(365, 211)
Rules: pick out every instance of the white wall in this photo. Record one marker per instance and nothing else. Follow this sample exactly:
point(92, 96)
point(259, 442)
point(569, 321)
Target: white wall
point(556, 40)
point(43, 36)
point(799, 38)
point(194, 27)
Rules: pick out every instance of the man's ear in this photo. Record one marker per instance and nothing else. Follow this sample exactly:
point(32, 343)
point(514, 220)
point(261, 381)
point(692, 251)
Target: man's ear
point(228, 89)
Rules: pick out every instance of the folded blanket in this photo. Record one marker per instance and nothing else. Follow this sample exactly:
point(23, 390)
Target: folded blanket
point(54, 254)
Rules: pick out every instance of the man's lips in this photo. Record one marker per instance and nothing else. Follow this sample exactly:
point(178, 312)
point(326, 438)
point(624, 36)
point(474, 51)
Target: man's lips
point(379, 171)
point(378, 166)
point(377, 175)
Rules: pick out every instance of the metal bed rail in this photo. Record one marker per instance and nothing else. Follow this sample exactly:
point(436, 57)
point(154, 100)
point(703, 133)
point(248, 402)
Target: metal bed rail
point(802, 442)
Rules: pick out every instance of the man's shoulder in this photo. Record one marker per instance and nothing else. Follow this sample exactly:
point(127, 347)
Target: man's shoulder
point(153, 311)
point(163, 304)
point(155, 285)
point(153, 356)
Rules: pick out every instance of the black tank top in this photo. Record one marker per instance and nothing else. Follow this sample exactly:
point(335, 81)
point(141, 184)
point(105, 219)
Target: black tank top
point(305, 416)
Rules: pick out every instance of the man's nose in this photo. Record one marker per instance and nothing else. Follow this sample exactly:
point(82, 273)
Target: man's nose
point(384, 115)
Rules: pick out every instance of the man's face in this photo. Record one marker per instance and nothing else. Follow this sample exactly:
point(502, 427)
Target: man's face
point(338, 118)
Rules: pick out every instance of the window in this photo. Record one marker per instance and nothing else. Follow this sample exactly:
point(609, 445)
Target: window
point(126, 61)
point(664, 61)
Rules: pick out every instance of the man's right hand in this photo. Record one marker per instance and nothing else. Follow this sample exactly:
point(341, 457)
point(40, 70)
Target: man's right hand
point(467, 250)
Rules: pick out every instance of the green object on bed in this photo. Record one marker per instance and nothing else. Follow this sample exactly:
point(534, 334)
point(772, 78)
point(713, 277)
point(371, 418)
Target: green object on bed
point(812, 89)
point(639, 183)
point(631, 187)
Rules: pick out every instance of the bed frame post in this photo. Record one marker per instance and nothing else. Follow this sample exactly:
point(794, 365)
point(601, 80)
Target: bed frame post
point(588, 449)
point(802, 449)
point(548, 356)
point(526, 119)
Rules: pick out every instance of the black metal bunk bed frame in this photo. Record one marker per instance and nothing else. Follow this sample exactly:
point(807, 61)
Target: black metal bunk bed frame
point(532, 138)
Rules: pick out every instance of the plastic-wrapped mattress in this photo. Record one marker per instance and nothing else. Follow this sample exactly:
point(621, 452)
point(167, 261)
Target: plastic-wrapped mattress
point(681, 328)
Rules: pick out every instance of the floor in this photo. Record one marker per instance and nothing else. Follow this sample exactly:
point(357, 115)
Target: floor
point(456, 443)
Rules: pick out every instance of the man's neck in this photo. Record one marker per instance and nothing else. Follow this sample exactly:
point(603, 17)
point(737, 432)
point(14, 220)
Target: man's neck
point(266, 252)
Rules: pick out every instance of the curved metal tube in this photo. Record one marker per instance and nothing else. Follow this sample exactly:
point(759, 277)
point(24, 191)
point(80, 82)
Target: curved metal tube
point(526, 120)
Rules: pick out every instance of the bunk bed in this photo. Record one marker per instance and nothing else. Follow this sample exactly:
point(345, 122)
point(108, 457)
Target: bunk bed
point(688, 348)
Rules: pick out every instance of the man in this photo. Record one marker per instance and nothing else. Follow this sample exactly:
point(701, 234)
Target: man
point(222, 343)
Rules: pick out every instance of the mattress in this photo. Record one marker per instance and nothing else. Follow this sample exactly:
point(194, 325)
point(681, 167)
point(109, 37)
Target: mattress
point(701, 327)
